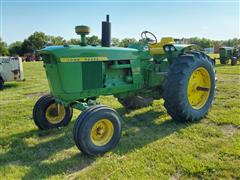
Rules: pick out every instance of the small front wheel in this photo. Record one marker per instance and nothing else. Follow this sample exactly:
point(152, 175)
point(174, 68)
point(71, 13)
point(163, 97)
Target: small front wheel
point(48, 114)
point(224, 61)
point(97, 130)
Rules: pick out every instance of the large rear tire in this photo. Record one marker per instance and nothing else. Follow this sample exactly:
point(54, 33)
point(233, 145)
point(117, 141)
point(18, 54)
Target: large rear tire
point(189, 87)
point(135, 102)
point(48, 114)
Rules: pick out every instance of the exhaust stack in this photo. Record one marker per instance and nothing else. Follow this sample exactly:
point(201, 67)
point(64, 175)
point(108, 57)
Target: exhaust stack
point(106, 32)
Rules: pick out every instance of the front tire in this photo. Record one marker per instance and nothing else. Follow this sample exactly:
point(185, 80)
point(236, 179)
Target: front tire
point(189, 87)
point(224, 61)
point(48, 114)
point(97, 130)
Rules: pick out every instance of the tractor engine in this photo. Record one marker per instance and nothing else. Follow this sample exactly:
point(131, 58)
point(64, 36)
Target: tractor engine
point(82, 71)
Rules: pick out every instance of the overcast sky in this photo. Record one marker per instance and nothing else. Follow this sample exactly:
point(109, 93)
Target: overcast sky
point(210, 19)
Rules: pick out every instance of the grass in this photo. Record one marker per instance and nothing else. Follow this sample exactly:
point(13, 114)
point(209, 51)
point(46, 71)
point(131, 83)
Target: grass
point(153, 146)
point(214, 55)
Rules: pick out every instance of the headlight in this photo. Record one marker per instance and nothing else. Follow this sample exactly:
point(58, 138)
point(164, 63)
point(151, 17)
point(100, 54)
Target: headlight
point(167, 49)
point(172, 48)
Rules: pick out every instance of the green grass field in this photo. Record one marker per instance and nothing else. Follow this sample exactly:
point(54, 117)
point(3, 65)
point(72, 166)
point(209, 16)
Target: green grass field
point(153, 146)
point(214, 55)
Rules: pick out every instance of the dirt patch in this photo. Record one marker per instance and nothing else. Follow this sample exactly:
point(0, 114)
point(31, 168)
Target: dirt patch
point(176, 176)
point(228, 78)
point(229, 129)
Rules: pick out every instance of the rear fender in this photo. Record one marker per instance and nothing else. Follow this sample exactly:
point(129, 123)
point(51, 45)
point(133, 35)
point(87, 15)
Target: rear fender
point(174, 50)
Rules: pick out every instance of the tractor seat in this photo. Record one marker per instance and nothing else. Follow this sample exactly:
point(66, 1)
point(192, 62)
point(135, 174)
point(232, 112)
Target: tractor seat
point(157, 49)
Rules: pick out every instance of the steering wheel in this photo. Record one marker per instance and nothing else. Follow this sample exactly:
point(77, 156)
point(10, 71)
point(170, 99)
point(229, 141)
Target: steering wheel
point(145, 35)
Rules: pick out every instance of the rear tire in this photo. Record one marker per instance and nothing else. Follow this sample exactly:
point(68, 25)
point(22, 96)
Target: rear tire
point(47, 114)
point(97, 130)
point(189, 87)
point(234, 61)
point(135, 102)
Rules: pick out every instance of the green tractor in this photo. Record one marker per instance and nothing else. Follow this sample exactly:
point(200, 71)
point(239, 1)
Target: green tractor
point(137, 75)
point(229, 53)
point(236, 56)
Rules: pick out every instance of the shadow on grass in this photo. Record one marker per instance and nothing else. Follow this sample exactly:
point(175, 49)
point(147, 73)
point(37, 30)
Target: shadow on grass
point(138, 131)
point(10, 85)
point(38, 157)
point(144, 128)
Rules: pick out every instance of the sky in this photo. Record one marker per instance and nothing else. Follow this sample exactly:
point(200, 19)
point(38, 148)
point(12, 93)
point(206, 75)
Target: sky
point(214, 19)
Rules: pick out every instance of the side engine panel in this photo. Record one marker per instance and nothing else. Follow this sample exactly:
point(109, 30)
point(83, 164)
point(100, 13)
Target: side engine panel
point(117, 73)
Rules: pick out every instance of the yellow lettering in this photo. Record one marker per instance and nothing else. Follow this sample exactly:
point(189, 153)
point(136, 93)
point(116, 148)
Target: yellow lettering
point(83, 59)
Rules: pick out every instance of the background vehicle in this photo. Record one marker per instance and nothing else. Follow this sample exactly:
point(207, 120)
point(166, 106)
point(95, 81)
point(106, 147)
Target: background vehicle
point(11, 69)
point(228, 53)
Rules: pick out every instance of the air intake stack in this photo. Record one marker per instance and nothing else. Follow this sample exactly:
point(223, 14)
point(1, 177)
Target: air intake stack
point(106, 32)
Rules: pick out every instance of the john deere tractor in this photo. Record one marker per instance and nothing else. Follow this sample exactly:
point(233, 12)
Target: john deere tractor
point(229, 53)
point(137, 75)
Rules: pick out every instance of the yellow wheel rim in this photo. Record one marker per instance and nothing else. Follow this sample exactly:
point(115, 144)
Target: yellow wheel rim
point(55, 113)
point(199, 86)
point(102, 132)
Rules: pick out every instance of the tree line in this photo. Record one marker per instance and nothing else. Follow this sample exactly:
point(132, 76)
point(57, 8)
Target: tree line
point(39, 40)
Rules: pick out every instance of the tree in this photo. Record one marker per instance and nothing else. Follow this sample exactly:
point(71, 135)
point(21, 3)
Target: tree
point(115, 42)
point(27, 46)
point(93, 40)
point(204, 43)
point(34, 42)
point(56, 40)
point(3, 48)
point(217, 43)
point(127, 41)
point(16, 48)
point(235, 42)
point(74, 41)
point(38, 40)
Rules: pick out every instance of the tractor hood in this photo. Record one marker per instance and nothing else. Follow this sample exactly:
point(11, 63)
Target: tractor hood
point(89, 53)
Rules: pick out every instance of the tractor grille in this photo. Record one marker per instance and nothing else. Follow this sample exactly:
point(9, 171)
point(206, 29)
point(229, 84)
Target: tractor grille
point(92, 75)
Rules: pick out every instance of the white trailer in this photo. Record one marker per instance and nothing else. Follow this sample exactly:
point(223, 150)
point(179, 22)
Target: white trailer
point(11, 69)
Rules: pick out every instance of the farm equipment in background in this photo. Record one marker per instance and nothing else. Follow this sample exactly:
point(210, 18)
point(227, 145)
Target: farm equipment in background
point(11, 69)
point(236, 56)
point(229, 53)
point(224, 54)
point(148, 70)
point(31, 57)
